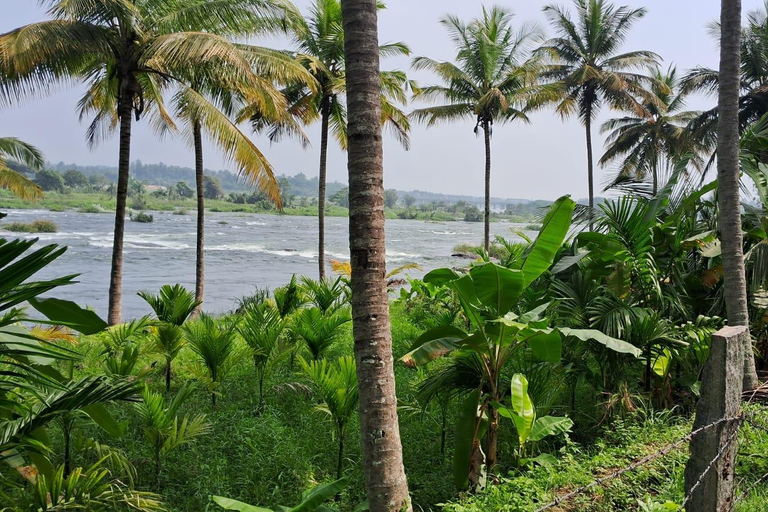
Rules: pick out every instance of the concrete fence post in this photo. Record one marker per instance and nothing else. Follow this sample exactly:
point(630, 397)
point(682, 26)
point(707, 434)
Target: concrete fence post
point(720, 398)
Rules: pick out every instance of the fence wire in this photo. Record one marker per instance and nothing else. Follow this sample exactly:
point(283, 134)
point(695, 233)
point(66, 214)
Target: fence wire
point(655, 455)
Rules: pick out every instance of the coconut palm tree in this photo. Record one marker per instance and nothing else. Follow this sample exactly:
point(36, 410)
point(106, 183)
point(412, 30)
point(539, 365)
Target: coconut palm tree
point(753, 93)
point(206, 105)
point(385, 480)
point(126, 51)
point(586, 69)
point(645, 144)
point(728, 174)
point(20, 151)
point(488, 83)
point(319, 40)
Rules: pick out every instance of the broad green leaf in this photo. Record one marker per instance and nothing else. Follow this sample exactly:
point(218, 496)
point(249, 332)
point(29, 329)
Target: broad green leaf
point(534, 315)
point(546, 346)
point(662, 363)
point(464, 439)
point(101, 416)
point(434, 343)
point(465, 291)
point(546, 460)
point(614, 344)
point(314, 498)
point(230, 504)
point(525, 412)
point(551, 236)
point(549, 426)
point(69, 314)
point(567, 262)
point(441, 276)
point(497, 287)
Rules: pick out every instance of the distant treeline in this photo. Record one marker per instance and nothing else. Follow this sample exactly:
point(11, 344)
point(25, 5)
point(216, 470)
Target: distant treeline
point(298, 185)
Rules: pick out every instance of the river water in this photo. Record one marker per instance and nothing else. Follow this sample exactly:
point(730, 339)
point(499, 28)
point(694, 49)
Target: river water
point(243, 251)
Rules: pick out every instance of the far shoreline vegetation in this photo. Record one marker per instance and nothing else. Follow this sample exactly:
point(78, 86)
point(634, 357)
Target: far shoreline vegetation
point(91, 190)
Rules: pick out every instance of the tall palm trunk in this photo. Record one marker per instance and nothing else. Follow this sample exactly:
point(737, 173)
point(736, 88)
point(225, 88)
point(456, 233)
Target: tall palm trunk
point(729, 201)
point(325, 114)
point(200, 184)
point(492, 458)
point(125, 111)
point(487, 219)
point(590, 167)
point(385, 480)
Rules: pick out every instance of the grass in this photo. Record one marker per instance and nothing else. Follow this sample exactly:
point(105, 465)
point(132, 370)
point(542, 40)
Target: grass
point(37, 226)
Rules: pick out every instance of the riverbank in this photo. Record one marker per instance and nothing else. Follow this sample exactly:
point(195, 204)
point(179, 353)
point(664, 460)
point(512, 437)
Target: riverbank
point(102, 202)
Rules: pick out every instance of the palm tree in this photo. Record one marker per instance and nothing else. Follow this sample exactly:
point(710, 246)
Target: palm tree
point(336, 386)
point(644, 144)
point(385, 480)
point(208, 104)
point(728, 174)
point(15, 149)
point(753, 99)
point(126, 50)
point(172, 306)
point(164, 429)
point(262, 329)
point(320, 46)
point(587, 70)
point(214, 342)
point(488, 83)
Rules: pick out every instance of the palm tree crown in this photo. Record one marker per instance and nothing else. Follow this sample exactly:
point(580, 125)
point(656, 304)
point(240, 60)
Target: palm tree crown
point(126, 51)
point(586, 68)
point(646, 144)
point(489, 81)
point(319, 40)
point(12, 148)
point(753, 100)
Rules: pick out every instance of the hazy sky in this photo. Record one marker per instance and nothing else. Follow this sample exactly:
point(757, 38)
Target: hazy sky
point(542, 160)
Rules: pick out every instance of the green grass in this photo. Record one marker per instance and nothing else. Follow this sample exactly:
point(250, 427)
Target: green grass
point(37, 226)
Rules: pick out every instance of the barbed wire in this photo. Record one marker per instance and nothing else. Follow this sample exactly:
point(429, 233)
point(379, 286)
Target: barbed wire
point(639, 462)
point(712, 463)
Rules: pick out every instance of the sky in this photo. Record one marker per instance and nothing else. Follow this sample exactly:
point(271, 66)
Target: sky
point(542, 160)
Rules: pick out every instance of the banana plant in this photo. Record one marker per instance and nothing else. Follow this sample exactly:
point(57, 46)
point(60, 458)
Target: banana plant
point(489, 295)
point(164, 430)
point(172, 306)
point(530, 427)
point(311, 501)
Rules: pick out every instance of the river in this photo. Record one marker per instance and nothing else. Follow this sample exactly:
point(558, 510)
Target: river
point(243, 251)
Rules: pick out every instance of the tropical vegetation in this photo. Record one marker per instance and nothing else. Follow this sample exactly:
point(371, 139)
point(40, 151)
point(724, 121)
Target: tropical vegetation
point(544, 362)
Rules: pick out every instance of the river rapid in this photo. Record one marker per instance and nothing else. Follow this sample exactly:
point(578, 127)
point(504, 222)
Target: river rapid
point(243, 251)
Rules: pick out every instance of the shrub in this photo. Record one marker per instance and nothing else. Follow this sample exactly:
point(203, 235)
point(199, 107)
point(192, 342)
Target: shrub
point(139, 203)
point(38, 226)
point(142, 217)
point(93, 208)
point(181, 211)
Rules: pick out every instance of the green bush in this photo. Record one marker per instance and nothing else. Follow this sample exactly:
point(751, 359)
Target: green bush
point(38, 226)
point(93, 208)
point(142, 217)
